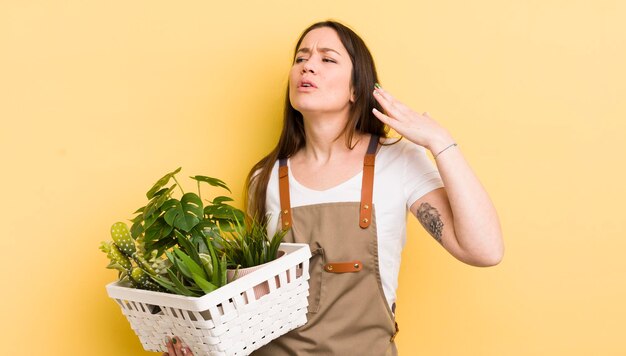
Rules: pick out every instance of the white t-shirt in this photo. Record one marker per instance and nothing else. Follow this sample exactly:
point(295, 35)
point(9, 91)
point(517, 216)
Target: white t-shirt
point(403, 174)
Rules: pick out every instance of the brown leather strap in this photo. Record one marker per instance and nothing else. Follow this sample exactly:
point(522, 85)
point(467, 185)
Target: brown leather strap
point(367, 186)
point(283, 191)
point(395, 333)
point(343, 267)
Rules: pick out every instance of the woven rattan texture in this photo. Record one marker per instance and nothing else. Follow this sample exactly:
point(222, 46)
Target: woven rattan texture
point(236, 326)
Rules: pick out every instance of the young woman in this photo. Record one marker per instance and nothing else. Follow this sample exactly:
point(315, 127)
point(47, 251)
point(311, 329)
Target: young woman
point(336, 182)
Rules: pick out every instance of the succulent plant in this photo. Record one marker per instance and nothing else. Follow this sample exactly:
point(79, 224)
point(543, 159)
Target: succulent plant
point(122, 252)
point(123, 241)
point(248, 244)
point(144, 279)
point(118, 260)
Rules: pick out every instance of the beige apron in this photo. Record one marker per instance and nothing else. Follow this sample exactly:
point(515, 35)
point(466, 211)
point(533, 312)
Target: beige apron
point(348, 313)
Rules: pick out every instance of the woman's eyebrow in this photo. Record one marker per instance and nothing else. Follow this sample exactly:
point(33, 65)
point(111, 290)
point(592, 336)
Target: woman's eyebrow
point(323, 49)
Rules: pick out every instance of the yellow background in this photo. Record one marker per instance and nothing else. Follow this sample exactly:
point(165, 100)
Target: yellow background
point(98, 99)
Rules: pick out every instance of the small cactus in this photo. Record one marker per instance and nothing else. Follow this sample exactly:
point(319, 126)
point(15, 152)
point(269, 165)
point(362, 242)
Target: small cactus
point(118, 260)
point(143, 279)
point(126, 244)
point(123, 251)
point(121, 237)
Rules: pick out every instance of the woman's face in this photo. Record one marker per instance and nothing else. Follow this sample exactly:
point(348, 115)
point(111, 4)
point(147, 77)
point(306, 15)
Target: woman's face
point(320, 80)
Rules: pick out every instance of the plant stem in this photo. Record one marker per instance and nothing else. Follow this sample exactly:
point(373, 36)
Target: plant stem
point(199, 192)
point(179, 186)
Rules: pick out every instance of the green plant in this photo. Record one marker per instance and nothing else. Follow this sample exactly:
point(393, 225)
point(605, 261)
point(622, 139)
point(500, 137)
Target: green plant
point(124, 255)
point(178, 229)
point(248, 245)
point(164, 216)
point(193, 274)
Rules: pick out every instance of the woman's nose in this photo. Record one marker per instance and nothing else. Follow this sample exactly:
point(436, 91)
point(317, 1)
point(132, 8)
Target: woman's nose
point(308, 67)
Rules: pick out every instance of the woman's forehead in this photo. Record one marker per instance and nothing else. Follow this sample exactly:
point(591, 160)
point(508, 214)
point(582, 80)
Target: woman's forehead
point(322, 39)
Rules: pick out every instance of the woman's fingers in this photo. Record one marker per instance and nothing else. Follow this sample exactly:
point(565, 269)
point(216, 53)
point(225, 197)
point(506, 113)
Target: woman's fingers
point(175, 347)
point(420, 129)
point(382, 117)
point(170, 347)
point(392, 107)
point(385, 103)
point(384, 94)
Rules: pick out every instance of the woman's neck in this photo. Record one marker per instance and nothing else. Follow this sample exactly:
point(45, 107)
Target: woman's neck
point(322, 138)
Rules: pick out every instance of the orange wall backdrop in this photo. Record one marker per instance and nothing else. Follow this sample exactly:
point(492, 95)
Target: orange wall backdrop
point(98, 99)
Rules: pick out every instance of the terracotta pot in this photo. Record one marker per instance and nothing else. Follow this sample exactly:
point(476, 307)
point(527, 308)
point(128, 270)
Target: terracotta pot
point(260, 289)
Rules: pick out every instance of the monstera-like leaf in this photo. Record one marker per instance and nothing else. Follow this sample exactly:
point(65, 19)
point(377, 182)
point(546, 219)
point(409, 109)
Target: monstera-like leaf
point(184, 214)
point(212, 181)
point(170, 232)
point(158, 230)
point(160, 183)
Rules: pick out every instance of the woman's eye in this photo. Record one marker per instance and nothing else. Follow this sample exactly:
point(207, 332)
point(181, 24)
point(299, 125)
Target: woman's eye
point(299, 59)
point(329, 60)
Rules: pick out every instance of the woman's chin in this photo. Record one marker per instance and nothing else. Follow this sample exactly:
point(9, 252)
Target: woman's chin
point(317, 109)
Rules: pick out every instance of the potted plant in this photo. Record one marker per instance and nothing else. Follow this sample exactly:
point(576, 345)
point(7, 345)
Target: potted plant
point(178, 229)
point(172, 265)
point(248, 248)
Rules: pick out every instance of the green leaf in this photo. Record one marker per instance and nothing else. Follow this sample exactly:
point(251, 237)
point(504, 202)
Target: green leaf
point(136, 229)
point(165, 283)
point(158, 201)
point(179, 285)
point(184, 214)
point(161, 245)
point(222, 273)
point(160, 183)
point(157, 231)
point(217, 272)
point(207, 264)
point(179, 264)
point(188, 247)
point(191, 265)
point(224, 212)
point(150, 220)
point(197, 240)
point(212, 181)
point(221, 199)
point(137, 218)
point(206, 286)
point(160, 192)
point(225, 225)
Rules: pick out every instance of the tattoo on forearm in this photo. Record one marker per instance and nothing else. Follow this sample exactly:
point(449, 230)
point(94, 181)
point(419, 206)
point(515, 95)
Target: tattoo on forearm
point(430, 219)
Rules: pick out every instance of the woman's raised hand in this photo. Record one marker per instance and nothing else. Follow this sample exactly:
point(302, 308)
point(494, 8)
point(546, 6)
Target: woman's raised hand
point(175, 347)
point(420, 129)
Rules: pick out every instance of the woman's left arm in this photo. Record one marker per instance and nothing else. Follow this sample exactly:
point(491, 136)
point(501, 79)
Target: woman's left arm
point(461, 216)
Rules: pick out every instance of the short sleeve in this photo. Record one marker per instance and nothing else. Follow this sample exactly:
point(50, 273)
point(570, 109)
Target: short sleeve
point(421, 175)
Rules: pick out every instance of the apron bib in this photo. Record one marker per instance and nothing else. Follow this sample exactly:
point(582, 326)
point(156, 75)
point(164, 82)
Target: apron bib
point(347, 313)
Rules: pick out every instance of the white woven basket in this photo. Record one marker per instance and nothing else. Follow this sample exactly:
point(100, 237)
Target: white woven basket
point(230, 320)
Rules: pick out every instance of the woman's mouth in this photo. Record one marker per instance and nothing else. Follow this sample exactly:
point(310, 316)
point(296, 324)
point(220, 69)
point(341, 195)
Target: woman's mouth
point(306, 84)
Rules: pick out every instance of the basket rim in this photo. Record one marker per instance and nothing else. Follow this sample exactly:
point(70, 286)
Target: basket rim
point(295, 253)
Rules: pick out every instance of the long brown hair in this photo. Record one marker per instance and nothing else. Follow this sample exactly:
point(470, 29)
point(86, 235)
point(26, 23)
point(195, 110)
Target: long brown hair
point(293, 137)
